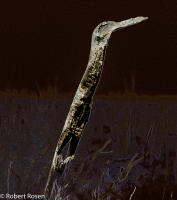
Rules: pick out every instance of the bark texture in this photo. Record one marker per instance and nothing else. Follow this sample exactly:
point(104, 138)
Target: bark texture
point(82, 103)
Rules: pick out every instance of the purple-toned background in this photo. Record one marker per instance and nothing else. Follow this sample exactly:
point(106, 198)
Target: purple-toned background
point(29, 130)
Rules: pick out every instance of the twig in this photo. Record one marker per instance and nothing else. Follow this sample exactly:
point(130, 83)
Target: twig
point(106, 152)
point(149, 134)
point(125, 170)
point(121, 175)
point(85, 166)
point(93, 157)
point(131, 195)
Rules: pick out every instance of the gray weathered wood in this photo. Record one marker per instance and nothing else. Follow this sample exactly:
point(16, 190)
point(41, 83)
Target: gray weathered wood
point(82, 103)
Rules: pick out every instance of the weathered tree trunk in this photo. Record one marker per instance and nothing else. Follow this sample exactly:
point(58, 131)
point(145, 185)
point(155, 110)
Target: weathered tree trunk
point(81, 106)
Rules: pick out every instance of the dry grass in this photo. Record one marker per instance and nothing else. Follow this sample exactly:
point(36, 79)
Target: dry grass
point(53, 92)
point(49, 92)
point(76, 183)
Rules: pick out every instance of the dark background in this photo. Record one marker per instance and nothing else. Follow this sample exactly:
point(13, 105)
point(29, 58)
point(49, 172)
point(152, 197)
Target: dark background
point(47, 43)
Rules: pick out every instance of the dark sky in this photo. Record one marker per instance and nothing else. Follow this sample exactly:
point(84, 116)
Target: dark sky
point(48, 42)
